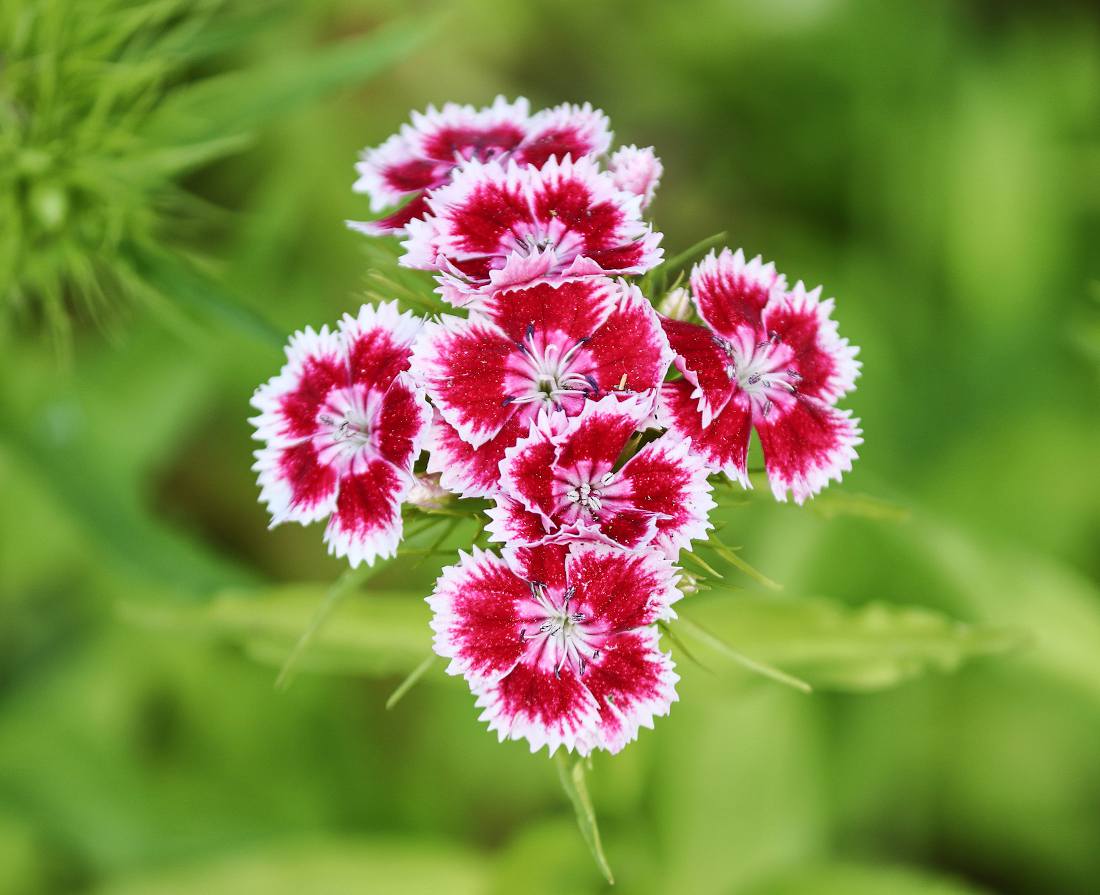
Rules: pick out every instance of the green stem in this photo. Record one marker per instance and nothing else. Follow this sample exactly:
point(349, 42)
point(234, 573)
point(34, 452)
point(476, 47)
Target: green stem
point(761, 668)
point(406, 685)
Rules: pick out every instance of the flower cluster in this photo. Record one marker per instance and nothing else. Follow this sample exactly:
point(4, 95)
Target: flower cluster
point(553, 394)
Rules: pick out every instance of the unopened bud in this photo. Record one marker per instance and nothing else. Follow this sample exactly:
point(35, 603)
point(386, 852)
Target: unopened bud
point(427, 494)
point(676, 304)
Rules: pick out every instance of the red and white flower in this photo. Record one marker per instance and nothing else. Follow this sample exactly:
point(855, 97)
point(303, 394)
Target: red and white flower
point(493, 227)
point(424, 154)
point(548, 345)
point(561, 483)
point(770, 359)
point(558, 642)
point(343, 424)
point(637, 171)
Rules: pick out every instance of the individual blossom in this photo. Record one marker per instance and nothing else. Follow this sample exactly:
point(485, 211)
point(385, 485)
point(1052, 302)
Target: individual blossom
point(768, 359)
point(424, 154)
point(562, 482)
point(558, 642)
point(343, 424)
point(637, 171)
point(495, 226)
point(548, 345)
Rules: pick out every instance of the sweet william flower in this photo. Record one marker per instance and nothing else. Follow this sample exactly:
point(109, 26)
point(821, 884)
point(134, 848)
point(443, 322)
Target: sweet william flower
point(768, 359)
point(563, 482)
point(343, 423)
point(425, 153)
point(636, 171)
point(558, 642)
point(548, 345)
point(496, 226)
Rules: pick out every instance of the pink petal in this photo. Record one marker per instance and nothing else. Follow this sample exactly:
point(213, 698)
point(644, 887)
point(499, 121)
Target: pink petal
point(395, 223)
point(510, 522)
point(731, 292)
point(294, 485)
point(574, 308)
point(637, 171)
point(544, 563)
point(621, 590)
point(402, 423)
point(476, 616)
point(668, 480)
point(704, 364)
point(461, 364)
point(629, 352)
point(546, 709)
point(366, 523)
point(724, 444)
point(464, 469)
point(807, 444)
point(290, 402)
point(633, 682)
point(565, 130)
point(596, 437)
point(825, 363)
point(378, 343)
point(527, 473)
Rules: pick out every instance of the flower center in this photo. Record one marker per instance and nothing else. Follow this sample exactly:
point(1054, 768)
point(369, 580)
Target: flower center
point(559, 635)
point(761, 371)
point(588, 495)
point(345, 424)
point(547, 371)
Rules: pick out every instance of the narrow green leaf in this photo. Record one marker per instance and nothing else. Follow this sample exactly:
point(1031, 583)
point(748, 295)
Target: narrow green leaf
point(729, 554)
point(239, 101)
point(573, 782)
point(692, 253)
point(406, 685)
point(757, 667)
point(838, 647)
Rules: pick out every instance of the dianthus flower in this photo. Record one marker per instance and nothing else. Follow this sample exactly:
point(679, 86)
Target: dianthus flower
point(547, 345)
point(558, 642)
point(343, 424)
point(768, 359)
point(561, 483)
point(495, 226)
point(424, 154)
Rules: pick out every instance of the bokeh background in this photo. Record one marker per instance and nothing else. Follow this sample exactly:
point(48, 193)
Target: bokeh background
point(173, 181)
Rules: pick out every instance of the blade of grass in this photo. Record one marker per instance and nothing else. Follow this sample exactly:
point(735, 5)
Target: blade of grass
point(730, 556)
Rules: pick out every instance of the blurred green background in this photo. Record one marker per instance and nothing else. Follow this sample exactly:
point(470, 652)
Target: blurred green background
point(173, 181)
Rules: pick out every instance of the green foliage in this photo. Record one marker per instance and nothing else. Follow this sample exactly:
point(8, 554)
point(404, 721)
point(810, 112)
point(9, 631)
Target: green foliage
point(931, 164)
point(102, 115)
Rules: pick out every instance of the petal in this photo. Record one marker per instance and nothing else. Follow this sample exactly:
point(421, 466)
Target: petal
point(825, 363)
point(565, 130)
point(366, 523)
point(393, 224)
point(388, 173)
point(476, 616)
point(546, 709)
point(402, 422)
point(290, 402)
point(628, 528)
point(462, 132)
point(667, 479)
point(704, 364)
point(620, 590)
point(574, 308)
point(629, 351)
point(731, 292)
point(574, 196)
point(527, 473)
point(294, 485)
point(633, 682)
point(510, 522)
point(594, 439)
point(464, 469)
point(806, 445)
point(461, 364)
point(542, 563)
point(636, 171)
point(724, 444)
point(379, 341)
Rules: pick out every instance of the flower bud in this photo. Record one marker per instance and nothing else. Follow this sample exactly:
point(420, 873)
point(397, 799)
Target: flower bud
point(427, 494)
point(676, 305)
